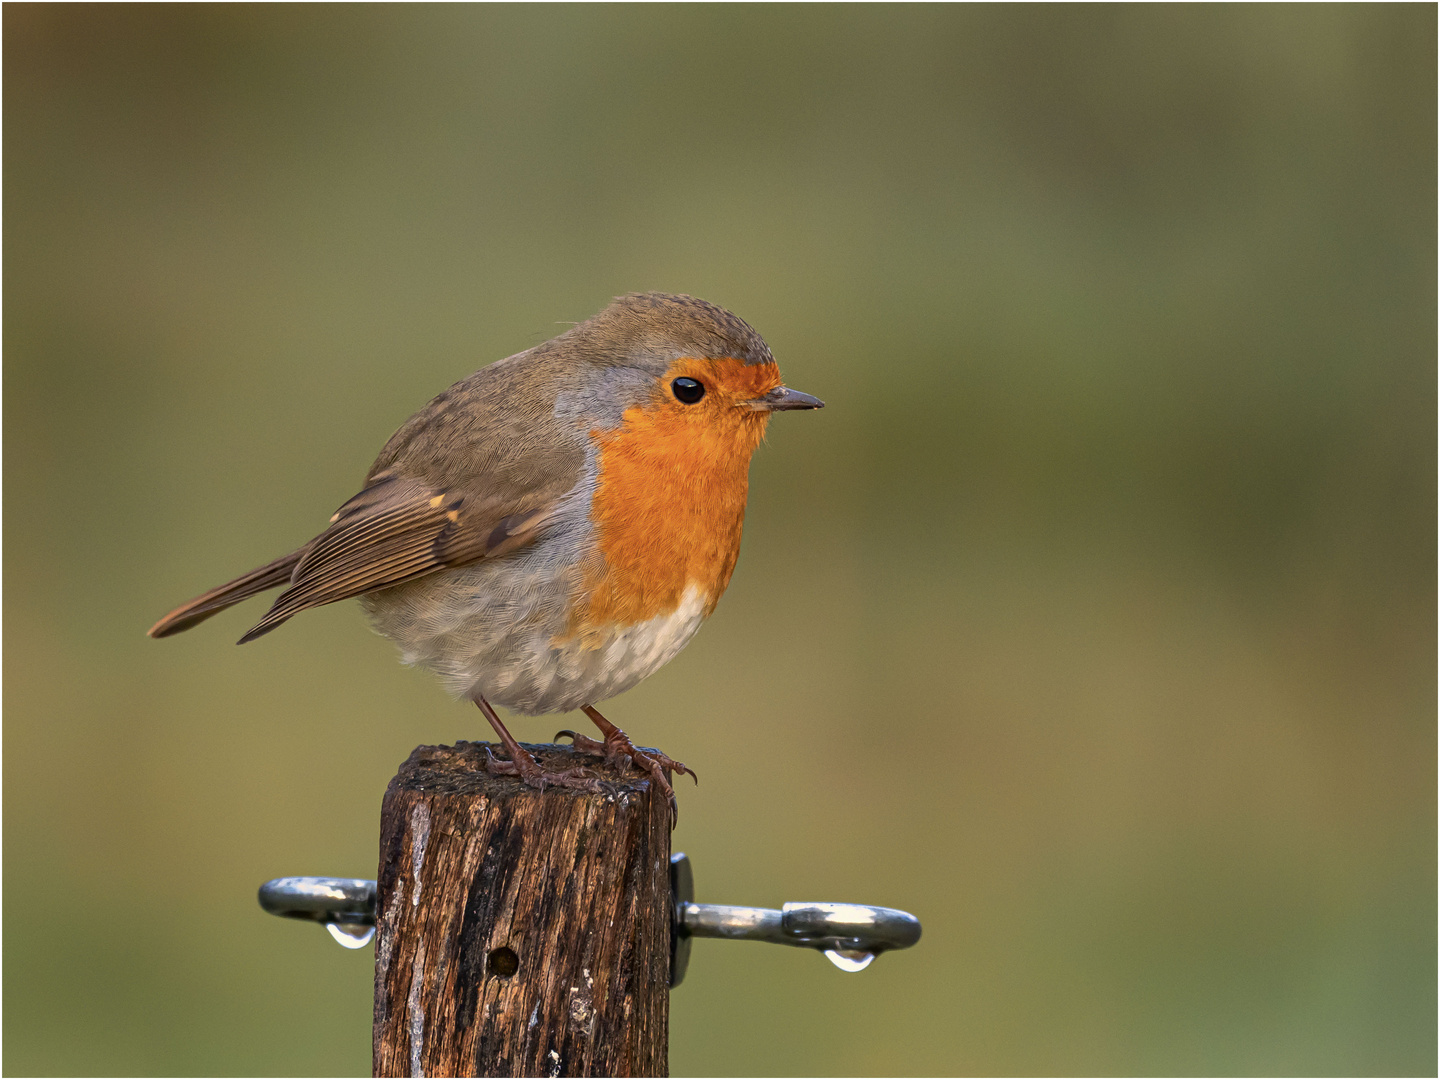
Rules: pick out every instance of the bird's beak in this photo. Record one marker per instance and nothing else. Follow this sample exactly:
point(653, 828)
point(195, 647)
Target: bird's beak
point(781, 398)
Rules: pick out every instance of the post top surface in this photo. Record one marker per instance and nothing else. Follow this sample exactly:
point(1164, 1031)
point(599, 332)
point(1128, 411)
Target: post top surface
point(460, 770)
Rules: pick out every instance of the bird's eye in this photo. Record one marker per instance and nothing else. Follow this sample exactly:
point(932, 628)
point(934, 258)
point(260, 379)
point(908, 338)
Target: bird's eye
point(688, 390)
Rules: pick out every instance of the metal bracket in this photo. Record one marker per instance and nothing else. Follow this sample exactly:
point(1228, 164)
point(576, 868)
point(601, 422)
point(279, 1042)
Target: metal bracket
point(851, 935)
point(344, 906)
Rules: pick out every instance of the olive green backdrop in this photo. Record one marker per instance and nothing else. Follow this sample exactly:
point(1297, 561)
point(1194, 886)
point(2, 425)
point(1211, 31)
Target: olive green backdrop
point(1093, 620)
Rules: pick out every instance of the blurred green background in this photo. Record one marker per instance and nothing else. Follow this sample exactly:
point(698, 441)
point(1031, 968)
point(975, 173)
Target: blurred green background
point(1093, 621)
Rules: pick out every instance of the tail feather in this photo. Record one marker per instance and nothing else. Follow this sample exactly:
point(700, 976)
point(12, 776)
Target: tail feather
point(270, 576)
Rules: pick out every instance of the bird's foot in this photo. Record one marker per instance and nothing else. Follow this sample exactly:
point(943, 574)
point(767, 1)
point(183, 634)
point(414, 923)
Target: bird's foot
point(522, 763)
point(618, 750)
point(528, 770)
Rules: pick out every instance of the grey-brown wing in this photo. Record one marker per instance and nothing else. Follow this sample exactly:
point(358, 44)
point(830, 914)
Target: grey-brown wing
point(395, 530)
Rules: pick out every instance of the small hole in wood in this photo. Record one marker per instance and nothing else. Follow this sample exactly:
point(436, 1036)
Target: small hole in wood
point(502, 963)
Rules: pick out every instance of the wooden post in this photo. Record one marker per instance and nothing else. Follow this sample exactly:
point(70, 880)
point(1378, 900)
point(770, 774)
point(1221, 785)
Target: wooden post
point(520, 932)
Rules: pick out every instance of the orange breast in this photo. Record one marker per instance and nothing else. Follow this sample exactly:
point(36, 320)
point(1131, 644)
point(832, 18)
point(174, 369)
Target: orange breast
point(670, 496)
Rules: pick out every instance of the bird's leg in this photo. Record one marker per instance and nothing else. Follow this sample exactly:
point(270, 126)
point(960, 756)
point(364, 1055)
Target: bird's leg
point(618, 747)
point(523, 764)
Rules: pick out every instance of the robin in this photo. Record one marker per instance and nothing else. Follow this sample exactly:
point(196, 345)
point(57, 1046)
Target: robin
point(549, 531)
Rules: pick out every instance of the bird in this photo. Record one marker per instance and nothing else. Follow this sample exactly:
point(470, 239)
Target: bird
point(555, 528)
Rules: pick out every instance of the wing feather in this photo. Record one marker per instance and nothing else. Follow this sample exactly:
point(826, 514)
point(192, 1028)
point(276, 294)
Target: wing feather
point(261, 579)
point(395, 530)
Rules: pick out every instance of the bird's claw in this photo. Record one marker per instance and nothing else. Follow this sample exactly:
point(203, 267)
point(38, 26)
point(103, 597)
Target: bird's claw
point(622, 749)
point(617, 749)
point(529, 771)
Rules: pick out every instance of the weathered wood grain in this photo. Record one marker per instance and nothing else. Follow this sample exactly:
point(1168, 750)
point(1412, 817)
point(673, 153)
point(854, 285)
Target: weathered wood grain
point(518, 932)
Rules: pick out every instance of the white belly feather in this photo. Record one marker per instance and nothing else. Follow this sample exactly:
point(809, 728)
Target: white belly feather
point(500, 643)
